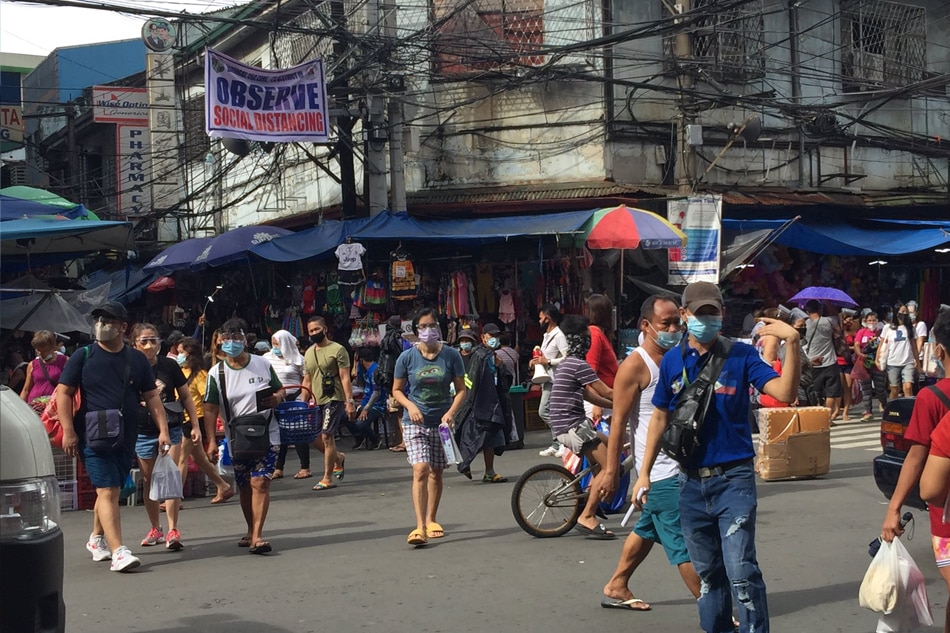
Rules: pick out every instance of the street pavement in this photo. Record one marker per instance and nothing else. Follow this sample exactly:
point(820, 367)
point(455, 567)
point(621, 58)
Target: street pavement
point(341, 562)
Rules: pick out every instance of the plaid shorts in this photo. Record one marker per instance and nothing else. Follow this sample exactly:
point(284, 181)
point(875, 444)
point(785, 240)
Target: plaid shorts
point(244, 471)
point(424, 446)
point(941, 550)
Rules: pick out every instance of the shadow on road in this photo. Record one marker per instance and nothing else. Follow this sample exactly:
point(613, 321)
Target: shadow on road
point(786, 602)
point(219, 623)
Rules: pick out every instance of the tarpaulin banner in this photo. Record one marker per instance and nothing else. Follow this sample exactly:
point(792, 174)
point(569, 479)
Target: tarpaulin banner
point(700, 217)
point(254, 104)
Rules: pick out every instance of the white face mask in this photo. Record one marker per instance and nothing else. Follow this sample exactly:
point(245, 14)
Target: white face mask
point(106, 332)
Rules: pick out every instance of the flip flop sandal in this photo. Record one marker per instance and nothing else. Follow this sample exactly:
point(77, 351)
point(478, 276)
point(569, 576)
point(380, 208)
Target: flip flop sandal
point(417, 538)
point(262, 547)
point(323, 486)
point(633, 604)
point(278, 474)
point(339, 472)
point(434, 527)
point(245, 542)
point(493, 479)
point(302, 474)
point(398, 449)
point(599, 533)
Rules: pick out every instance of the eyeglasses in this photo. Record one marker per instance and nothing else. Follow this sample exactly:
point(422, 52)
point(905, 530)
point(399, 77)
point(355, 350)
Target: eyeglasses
point(149, 341)
point(428, 326)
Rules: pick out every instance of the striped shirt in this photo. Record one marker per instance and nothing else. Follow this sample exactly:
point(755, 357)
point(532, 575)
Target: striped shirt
point(567, 393)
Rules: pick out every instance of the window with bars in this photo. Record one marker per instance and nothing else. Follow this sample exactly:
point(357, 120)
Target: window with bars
point(883, 44)
point(729, 44)
point(480, 35)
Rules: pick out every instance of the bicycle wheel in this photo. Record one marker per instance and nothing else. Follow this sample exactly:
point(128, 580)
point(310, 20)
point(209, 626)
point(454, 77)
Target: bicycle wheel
point(545, 502)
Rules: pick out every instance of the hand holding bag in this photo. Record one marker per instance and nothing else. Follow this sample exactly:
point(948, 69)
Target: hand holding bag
point(166, 479)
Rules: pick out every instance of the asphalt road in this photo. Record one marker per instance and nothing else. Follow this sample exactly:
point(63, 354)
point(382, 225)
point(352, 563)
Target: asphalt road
point(341, 562)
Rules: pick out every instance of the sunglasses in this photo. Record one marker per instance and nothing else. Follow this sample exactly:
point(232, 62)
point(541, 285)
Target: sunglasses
point(149, 341)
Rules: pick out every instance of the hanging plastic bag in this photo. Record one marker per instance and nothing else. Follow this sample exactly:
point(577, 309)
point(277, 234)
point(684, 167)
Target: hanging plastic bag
point(166, 480)
point(452, 453)
point(878, 591)
point(913, 606)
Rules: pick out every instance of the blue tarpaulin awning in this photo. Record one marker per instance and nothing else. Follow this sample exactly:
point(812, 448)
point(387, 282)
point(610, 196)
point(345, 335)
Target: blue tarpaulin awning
point(34, 237)
point(875, 238)
point(400, 226)
point(318, 241)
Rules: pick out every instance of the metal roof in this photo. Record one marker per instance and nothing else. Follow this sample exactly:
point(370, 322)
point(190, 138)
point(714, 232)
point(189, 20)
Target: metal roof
point(521, 193)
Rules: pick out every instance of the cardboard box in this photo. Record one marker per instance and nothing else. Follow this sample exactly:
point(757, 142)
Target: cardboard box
point(802, 455)
point(775, 425)
point(794, 443)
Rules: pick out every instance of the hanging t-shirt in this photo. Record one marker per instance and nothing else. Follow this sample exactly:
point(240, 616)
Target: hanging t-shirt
point(350, 256)
point(403, 287)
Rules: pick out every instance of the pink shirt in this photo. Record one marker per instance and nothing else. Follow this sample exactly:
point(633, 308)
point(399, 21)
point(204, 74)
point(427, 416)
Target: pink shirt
point(42, 386)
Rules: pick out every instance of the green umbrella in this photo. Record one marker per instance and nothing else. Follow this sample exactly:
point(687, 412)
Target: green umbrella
point(58, 205)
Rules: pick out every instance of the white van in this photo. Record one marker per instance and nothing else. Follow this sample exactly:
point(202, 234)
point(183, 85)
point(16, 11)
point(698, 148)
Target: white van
point(31, 542)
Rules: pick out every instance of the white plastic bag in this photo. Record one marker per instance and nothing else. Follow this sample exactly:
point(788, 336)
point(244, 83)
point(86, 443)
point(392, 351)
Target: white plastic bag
point(913, 606)
point(166, 480)
point(879, 588)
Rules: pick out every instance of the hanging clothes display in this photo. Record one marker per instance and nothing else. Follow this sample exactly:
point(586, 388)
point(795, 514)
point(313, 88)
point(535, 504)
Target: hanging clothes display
point(506, 307)
point(404, 283)
point(350, 263)
point(484, 288)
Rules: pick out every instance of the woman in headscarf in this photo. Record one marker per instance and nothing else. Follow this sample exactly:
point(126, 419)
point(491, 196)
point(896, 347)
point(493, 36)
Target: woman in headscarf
point(287, 361)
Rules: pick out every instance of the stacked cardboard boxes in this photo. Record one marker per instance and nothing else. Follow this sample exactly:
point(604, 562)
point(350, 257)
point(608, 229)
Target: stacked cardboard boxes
point(794, 443)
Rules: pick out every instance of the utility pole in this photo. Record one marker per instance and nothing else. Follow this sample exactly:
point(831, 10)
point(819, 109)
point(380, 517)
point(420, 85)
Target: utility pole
point(344, 122)
point(683, 50)
point(73, 152)
point(374, 123)
point(397, 173)
point(795, 60)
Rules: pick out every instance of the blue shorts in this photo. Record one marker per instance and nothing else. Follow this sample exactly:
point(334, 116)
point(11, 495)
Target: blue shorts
point(244, 471)
point(146, 447)
point(107, 470)
point(660, 520)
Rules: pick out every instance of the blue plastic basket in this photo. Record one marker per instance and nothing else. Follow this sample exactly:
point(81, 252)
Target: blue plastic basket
point(298, 422)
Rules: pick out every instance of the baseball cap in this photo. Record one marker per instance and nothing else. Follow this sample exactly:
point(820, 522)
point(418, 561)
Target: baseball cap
point(490, 328)
point(701, 293)
point(468, 332)
point(112, 309)
point(262, 346)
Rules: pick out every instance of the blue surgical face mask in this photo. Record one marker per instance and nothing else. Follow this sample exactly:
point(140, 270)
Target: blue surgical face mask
point(276, 351)
point(232, 348)
point(704, 328)
point(493, 343)
point(181, 358)
point(465, 346)
point(667, 340)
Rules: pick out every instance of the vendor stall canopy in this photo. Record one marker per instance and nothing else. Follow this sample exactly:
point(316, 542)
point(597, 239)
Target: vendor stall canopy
point(872, 238)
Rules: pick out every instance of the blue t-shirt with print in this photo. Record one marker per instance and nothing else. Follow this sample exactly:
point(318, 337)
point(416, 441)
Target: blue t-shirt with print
point(428, 382)
point(726, 434)
point(369, 386)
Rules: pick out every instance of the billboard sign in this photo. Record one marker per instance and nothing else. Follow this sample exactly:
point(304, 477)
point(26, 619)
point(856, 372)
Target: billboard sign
point(119, 104)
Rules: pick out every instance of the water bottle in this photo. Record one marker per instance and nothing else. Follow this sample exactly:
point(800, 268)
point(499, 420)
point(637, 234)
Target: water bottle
point(875, 545)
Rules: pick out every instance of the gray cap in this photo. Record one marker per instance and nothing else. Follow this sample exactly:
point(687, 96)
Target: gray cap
point(701, 293)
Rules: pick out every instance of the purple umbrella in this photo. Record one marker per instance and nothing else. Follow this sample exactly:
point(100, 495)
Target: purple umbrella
point(821, 293)
point(178, 256)
point(235, 244)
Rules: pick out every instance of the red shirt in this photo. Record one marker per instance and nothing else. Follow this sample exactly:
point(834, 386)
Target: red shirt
point(940, 439)
point(601, 356)
point(928, 411)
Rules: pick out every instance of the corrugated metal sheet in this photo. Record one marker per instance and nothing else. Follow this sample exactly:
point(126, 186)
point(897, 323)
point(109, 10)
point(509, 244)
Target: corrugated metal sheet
point(518, 193)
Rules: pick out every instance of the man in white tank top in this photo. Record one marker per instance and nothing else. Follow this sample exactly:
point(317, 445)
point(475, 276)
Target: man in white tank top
point(660, 520)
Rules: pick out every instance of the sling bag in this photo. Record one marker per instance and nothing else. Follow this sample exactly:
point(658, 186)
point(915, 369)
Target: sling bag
point(250, 434)
point(681, 437)
point(105, 429)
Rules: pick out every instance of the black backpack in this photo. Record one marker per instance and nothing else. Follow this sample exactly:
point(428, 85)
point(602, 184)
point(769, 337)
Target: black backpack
point(389, 350)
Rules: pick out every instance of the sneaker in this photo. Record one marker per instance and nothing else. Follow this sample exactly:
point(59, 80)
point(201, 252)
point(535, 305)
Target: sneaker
point(155, 536)
point(550, 451)
point(560, 452)
point(866, 417)
point(173, 542)
point(123, 560)
point(97, 546)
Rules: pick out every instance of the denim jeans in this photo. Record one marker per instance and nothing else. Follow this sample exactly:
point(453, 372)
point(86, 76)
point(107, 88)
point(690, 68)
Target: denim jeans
point(718, 520)
point(544, 409)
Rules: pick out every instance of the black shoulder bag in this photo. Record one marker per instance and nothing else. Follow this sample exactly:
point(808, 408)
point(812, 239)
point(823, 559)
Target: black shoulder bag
point(105, 429)
point(250, 434)
point(681, 437)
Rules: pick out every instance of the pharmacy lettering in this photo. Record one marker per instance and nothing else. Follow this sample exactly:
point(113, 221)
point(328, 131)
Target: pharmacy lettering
point(265, 105)
point(133, 170)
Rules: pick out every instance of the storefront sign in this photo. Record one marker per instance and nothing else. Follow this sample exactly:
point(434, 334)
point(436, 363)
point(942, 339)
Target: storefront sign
point(700, 218)
point(11, 123)
point(119, 105)
point(164, 122)
point(133, 170)
point(265, 105)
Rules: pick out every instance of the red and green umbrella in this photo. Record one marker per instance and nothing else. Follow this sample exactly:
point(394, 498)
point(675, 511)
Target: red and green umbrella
point(626, 227)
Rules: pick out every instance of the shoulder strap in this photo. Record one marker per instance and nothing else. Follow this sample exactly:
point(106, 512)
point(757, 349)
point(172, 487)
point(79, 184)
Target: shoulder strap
point(941, 396)
point(46, 372)
point(720, 352)
point(223, 392)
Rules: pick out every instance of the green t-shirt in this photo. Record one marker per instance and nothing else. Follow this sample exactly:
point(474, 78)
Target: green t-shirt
point(326, 361)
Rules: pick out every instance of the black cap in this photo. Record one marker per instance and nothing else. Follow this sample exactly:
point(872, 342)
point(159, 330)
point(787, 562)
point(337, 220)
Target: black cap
point(112, 309)
point(490, 328)
point(701, 293)
point(467, 332)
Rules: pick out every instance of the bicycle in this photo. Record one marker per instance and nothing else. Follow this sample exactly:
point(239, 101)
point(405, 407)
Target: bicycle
point(547, 499)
